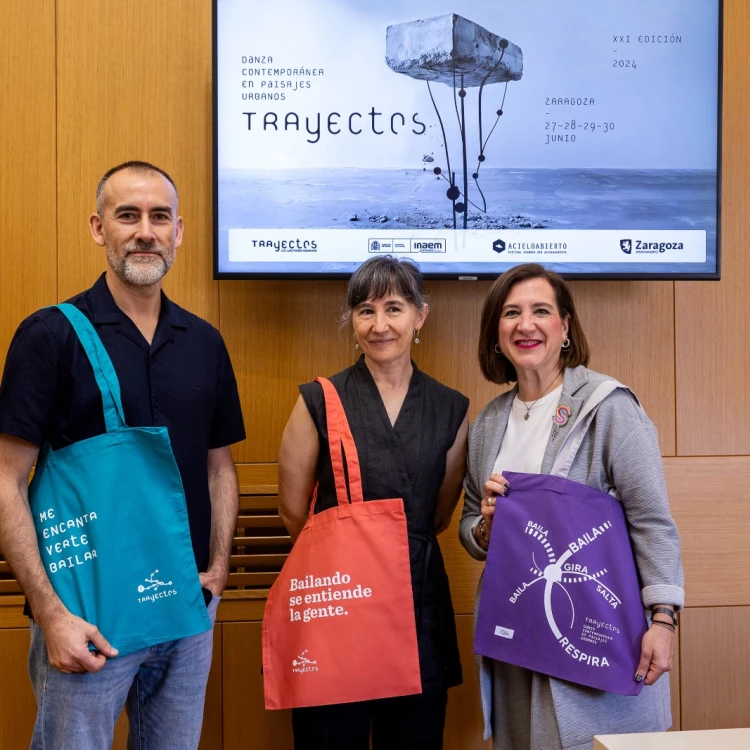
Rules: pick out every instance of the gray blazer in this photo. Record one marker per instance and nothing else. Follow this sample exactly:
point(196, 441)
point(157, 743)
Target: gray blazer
point(620, 453)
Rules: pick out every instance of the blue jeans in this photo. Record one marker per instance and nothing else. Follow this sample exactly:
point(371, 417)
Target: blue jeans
point(162, 688)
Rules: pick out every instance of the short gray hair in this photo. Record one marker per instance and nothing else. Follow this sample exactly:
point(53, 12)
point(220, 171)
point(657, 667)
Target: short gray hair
point(382, 275)
point(137, 166)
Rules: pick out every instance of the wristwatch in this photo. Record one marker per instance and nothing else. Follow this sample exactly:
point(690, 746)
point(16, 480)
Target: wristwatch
point(664, 611)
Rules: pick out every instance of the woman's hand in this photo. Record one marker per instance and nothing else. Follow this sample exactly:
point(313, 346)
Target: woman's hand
point(493, 488)
point(657, 650)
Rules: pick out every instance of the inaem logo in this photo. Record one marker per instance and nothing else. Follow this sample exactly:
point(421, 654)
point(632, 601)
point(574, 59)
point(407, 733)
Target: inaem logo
point(626, 246)
point(153, 583)
point(303, 664)
point(498, 246)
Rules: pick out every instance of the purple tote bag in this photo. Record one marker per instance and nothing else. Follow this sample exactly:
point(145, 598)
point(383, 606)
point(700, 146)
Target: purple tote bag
point(560, 593)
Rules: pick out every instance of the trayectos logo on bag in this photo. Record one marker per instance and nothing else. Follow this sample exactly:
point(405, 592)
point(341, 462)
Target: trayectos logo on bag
point(303, 664)
point(155, 586)
point(561, 572)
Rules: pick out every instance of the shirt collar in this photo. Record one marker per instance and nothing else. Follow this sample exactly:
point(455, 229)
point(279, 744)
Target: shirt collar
point(105, 310)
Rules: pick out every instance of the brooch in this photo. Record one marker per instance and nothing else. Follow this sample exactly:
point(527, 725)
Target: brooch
point(560, 419)
point(562, 415)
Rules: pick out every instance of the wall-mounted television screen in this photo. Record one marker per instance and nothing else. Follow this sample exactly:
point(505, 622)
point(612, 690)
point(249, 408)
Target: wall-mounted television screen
point(468, 136)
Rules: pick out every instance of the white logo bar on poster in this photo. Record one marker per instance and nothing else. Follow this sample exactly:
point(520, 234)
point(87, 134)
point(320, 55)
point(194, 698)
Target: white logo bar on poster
point(472, 246)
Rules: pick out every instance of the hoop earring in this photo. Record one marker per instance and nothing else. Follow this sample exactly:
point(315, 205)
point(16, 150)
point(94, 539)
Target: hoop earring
point(416, 336)
point(498, 351)
point(565, 344)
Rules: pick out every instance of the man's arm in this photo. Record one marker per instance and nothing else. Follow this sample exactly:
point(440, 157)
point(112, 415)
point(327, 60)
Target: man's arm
point(224, 493)
point(67, 636)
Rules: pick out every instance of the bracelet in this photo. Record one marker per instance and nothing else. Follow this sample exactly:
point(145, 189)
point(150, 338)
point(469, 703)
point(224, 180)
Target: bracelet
point(665, 611)
point(480, 526)
point(664, 625)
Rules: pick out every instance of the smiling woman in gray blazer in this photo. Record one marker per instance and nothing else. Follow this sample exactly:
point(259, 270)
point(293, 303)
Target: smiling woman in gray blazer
point(531, 335)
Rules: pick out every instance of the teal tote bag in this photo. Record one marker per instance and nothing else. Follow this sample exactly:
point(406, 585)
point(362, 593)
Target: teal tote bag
point(112, 525)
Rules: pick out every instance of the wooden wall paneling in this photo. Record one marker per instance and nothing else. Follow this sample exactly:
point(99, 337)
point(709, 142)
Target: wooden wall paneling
point(448, 345)
point(448, 352)
point(18, 707)
point(710, 500)
point(11, 612)
point(239, 606)
point(258, 478)
point(212, 736)
point(715, 667)
point(134, 82)
point(280, 334)
point(120, 741)
point(630, 329)
point(463, 571)
point(712, 324)
point(464, 725)
point(28, 212)
point(674, 688)
point(247, 725)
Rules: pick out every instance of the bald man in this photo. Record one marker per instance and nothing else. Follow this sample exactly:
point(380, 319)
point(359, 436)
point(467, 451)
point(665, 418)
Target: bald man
point(174, 371)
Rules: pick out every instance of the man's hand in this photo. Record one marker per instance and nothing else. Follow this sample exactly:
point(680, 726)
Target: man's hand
point(215, 580)
point(67, 639)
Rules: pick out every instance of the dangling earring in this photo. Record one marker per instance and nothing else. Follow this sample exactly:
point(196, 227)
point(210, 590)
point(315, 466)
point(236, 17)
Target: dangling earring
point(416, 336)
point(565, 344)
point(498, 350)
point(356, 343)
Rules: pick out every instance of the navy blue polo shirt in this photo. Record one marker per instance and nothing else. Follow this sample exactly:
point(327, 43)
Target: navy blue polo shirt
point(183, 381)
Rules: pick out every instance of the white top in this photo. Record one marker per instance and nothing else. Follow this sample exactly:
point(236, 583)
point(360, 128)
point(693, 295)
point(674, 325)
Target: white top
point(525, 440)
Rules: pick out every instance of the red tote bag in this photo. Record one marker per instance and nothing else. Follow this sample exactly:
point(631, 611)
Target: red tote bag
point(339, 621)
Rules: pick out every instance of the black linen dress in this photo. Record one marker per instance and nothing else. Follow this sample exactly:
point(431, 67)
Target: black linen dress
point(406, 460)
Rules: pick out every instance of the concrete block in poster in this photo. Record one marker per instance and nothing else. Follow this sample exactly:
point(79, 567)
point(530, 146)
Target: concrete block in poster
point(445, 47)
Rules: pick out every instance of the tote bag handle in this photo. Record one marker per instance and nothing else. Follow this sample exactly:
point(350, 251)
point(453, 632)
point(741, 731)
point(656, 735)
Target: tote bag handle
point(569, 449)
point(104, 370)
point(342, 448)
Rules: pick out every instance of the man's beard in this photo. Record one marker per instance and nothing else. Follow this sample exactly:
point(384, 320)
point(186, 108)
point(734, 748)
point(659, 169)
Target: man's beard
point(143, 270)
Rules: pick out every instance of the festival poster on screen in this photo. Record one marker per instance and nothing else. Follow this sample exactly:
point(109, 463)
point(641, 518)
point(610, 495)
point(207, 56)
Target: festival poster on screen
point(470, 137)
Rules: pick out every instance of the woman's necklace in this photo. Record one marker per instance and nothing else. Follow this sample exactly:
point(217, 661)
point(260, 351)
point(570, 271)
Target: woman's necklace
point(529, 407)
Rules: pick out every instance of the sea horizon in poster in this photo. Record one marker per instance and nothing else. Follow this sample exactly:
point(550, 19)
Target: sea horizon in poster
point(331, 146)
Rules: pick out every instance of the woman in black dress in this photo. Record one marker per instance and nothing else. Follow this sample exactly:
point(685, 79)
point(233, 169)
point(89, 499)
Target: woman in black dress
point(410, 432)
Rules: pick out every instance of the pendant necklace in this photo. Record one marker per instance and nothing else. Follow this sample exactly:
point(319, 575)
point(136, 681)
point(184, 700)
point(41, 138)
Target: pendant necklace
point(529, 407)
